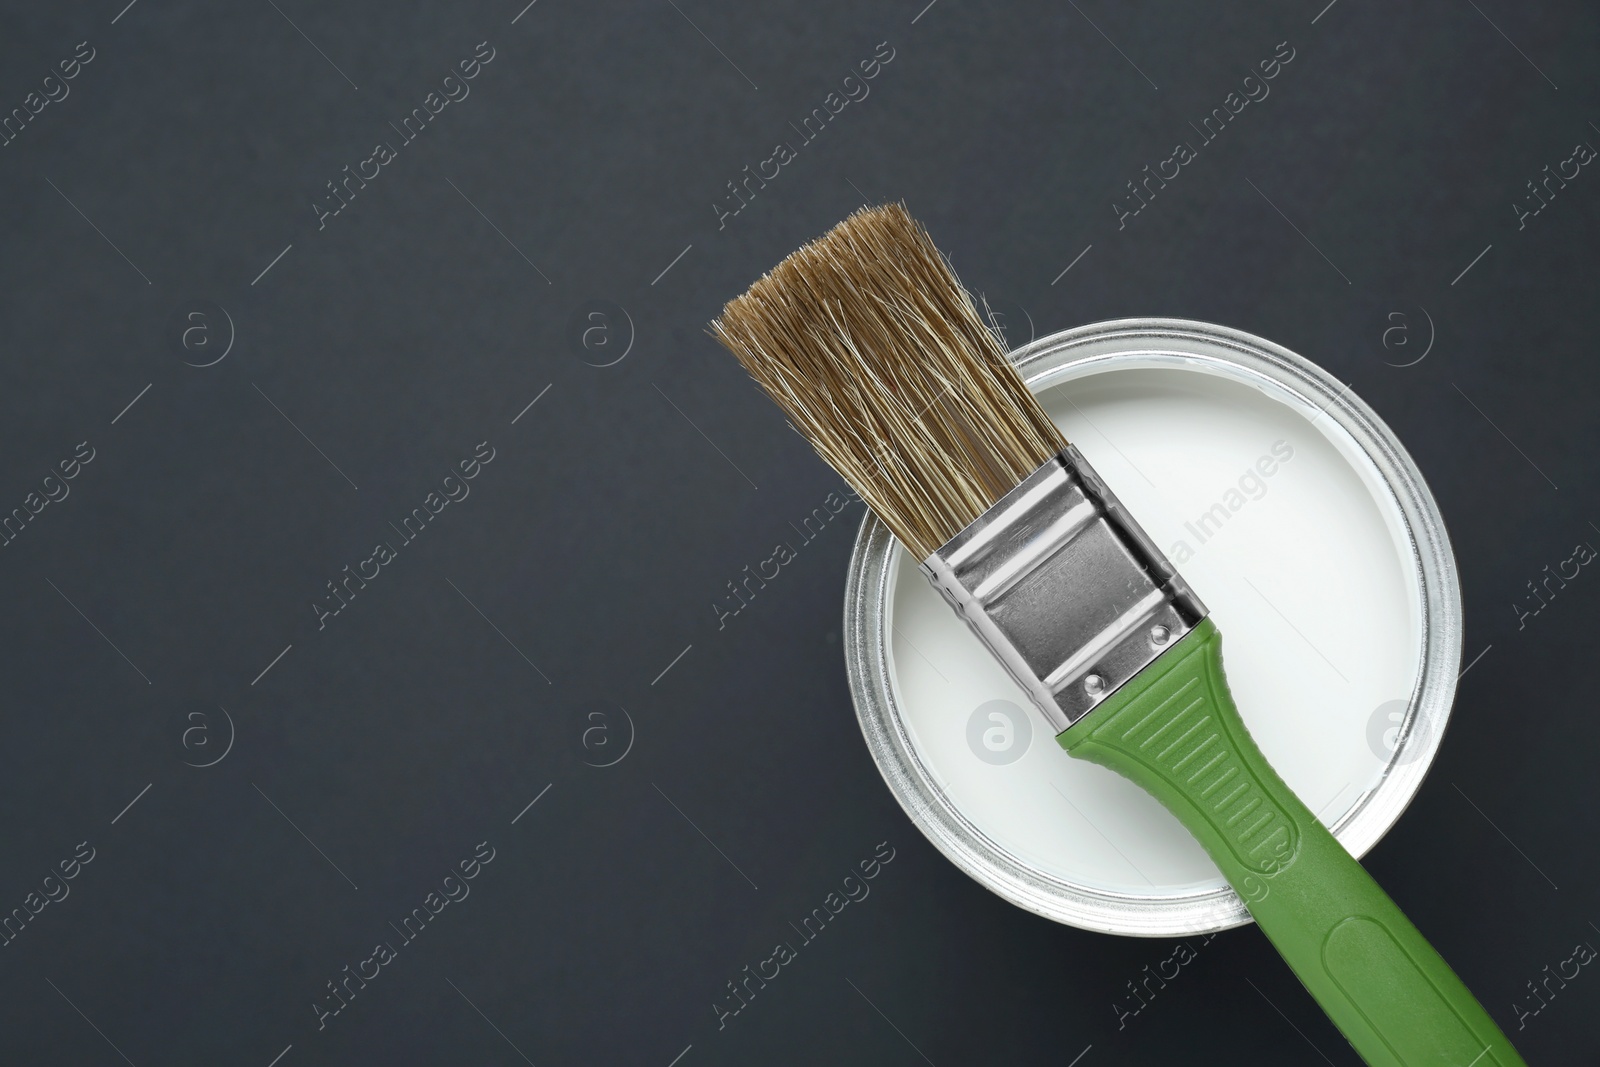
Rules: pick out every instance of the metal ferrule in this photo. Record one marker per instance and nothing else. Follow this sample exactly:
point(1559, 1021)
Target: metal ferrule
point(1065, 588)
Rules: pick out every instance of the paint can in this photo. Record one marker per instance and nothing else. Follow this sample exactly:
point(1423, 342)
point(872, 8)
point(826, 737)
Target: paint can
point(1298, 518)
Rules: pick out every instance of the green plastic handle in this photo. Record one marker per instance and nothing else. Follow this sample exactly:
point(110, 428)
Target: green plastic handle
point(1174, 730)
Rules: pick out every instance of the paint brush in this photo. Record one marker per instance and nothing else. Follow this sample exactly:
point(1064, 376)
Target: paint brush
point(868, 342)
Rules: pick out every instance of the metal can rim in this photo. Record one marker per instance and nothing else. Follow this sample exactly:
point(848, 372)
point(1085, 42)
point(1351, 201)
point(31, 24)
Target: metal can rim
point(1043, 363)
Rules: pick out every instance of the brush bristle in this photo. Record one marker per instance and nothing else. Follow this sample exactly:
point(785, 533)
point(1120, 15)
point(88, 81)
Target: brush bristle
point(881, 360)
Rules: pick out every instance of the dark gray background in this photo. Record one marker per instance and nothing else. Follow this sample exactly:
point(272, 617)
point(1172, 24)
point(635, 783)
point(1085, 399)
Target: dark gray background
point(415, 325)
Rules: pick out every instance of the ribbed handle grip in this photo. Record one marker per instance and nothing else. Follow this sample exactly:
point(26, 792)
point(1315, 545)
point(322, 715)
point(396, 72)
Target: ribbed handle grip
point(1174, 730)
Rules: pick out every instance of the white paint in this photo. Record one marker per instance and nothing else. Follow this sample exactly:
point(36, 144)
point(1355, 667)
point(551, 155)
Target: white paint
point(1324, 544)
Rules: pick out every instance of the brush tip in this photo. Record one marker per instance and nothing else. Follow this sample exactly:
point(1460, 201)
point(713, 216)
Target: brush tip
point(868, 342)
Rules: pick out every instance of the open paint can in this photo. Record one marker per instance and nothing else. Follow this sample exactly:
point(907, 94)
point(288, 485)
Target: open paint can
point(1295, 515)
